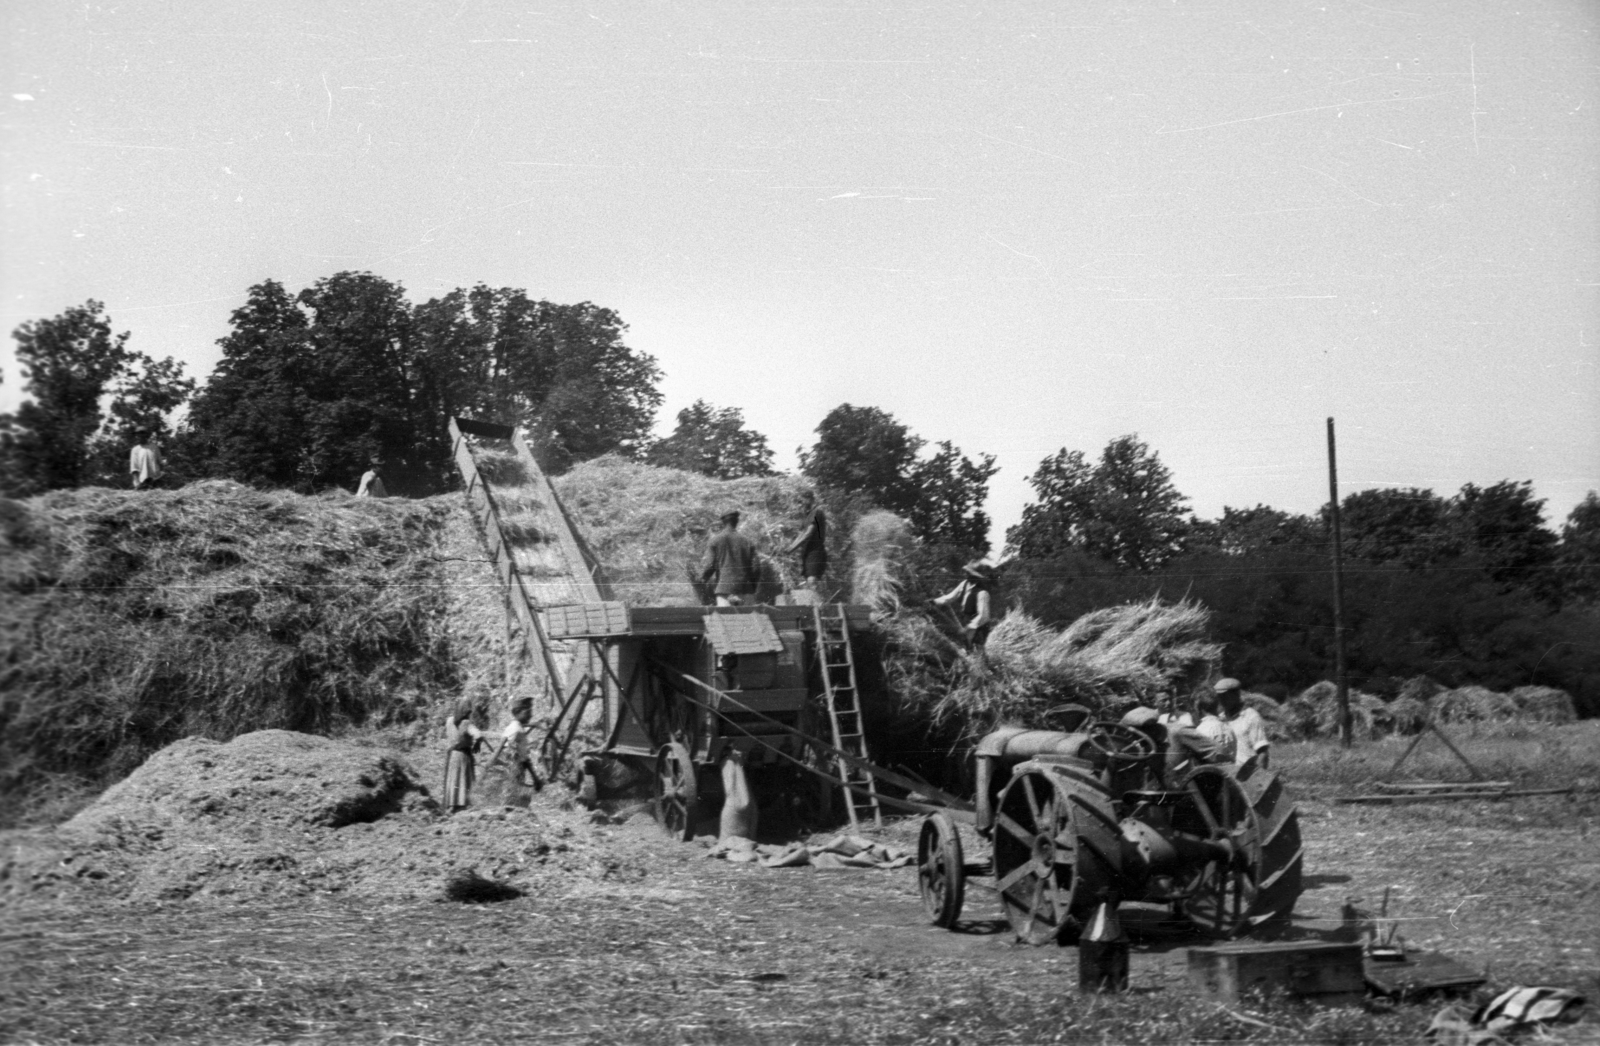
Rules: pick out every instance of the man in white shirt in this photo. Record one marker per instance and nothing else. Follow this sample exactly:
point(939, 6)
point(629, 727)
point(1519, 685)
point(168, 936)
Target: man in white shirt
point(144, 462)
point(372, 483)
point(1208, 741)
point(1249, 731)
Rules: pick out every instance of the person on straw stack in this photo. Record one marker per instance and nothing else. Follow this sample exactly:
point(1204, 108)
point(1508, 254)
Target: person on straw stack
point(1249, 731)
point(973, 602)
point(731, 563)
point(371, 482)
point(460, 770)
point(812, 544)
point(144, 462)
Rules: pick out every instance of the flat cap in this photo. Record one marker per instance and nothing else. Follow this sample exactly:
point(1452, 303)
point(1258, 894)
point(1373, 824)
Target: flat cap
point(1222, 686)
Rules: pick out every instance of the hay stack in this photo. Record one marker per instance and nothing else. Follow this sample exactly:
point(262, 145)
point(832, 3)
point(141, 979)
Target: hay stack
point(882, 542)
point(649, 526)
point(1473, 704)
point(1106, 661)
point(1544, 704)
point(128, 620)
point(1407, 715)
point(1318, 707)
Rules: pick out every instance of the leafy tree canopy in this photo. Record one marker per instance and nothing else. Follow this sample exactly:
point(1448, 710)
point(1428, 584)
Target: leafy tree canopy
point(1580, 549)
point(313, 385)
point(75, 369)
point(713, 442)
point(1124, 509)
point(867, 452)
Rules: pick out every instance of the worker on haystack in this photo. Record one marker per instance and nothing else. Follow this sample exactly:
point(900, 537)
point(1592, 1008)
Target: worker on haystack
point(1208, 741)
point(812, 544)
point(372, 482)
point(144, 462)
point(1249, 731)
point(973, 602)
point(731, 562)
point(464, 739)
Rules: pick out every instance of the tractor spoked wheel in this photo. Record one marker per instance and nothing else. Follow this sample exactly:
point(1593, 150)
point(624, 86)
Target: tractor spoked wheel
point(1261, 883)
point(677, 791)
point(1057, 854)
point(941, 870)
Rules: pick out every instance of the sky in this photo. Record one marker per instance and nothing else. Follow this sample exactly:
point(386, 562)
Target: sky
point(1015, 226)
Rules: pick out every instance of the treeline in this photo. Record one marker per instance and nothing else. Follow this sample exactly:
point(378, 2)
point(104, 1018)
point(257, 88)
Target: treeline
point(1467, 589)
point(314, 385)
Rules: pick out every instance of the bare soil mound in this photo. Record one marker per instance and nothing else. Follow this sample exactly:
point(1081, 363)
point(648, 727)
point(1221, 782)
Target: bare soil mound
point(276, 813)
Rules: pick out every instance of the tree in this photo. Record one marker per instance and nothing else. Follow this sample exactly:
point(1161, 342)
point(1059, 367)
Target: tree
point(1243, 531)
point(311, 385)
point(951, 490)
point(1409, 525)
point(561, 372)
point(713, 442)
point(1580, 550)
point(1124, 510)
point(249, 419)
point(867, 452)
point(1504, 526)
point(72, 363)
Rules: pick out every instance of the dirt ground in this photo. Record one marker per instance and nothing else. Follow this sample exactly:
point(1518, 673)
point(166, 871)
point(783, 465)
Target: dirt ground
point(625, 936)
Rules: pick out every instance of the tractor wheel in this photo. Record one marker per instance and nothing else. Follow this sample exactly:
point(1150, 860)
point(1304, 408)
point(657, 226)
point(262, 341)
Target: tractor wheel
point(1057, 854)
point(677, 791)
point(941, 870)
point(1262, 882)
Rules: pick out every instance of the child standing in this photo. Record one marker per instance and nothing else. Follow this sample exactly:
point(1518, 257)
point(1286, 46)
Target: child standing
point(517, 738)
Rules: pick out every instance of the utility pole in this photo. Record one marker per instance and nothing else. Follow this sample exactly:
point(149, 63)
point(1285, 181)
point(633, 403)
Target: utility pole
point(1340, 677)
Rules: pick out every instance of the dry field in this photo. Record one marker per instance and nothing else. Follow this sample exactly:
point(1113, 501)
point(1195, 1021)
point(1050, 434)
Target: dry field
point(646, 941)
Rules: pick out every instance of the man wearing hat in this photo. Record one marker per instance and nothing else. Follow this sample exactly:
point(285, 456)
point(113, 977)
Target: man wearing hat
point(1248, 729)
point(731, 562)
point(973, 599)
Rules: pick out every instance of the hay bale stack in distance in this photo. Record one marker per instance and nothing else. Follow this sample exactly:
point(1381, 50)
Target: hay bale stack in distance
point(1544, 704)
point(1473, 704)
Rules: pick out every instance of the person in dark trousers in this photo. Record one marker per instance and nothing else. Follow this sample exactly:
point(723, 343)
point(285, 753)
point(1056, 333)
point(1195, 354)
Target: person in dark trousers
point(812, 544)
point(731, 563)
point(973, 603)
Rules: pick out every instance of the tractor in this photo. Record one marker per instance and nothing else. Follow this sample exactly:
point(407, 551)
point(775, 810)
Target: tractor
point(1080, 819)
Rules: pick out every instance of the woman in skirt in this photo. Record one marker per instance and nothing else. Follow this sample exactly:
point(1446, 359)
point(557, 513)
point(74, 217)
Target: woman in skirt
point(464, 737)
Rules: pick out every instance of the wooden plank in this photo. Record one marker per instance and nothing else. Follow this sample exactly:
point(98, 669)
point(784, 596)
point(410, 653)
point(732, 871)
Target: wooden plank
point(1419, 973)
point(1328, 973)
point(1434, 797)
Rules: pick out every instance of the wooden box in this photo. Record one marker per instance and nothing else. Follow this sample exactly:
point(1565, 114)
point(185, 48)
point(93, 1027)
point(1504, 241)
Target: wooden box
point(1319, 972)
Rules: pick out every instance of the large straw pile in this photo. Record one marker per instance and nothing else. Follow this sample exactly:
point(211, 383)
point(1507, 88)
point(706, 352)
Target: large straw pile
point(133, 619)
point(1107, 660)
point(649, 526)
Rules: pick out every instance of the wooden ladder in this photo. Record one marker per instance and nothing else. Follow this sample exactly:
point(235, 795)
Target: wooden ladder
point(838, 665)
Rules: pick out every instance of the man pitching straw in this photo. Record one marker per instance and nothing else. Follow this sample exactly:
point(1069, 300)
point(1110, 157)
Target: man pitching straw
point(972, 600)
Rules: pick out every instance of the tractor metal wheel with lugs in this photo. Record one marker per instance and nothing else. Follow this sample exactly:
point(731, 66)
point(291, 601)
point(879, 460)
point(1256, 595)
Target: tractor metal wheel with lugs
point(1260, 885)
point(1057, 852)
